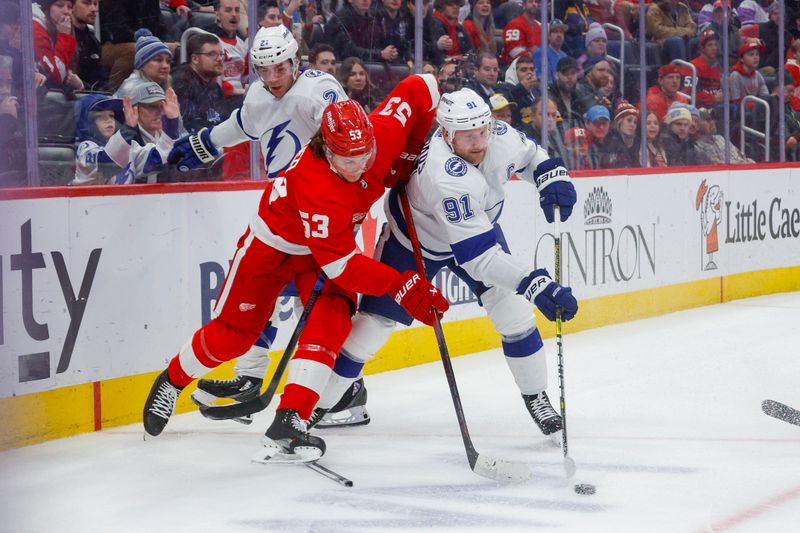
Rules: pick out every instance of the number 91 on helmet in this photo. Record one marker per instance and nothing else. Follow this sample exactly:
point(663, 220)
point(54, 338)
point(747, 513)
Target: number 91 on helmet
point(349, 139)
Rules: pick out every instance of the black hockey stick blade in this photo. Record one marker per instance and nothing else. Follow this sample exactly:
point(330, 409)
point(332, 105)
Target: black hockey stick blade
point(260, 402)
point(781, 411)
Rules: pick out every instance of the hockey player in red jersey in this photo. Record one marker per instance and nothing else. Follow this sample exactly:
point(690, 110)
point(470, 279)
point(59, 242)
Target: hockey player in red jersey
point(305, 226)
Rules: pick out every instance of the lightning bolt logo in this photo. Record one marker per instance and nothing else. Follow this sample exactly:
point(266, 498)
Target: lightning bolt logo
point(279, 150)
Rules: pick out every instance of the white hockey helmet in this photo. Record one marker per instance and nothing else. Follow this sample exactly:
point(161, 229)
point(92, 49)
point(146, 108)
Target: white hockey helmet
point(461, 110)
point(272, 46)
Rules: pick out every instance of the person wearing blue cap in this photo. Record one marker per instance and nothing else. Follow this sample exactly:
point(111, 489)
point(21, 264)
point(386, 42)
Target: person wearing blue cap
point(598, 122)
point(97, 119)
point(152, 61)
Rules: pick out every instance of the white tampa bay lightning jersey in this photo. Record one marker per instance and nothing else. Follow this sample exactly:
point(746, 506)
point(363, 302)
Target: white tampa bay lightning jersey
point(283, 125)
point(455, 204)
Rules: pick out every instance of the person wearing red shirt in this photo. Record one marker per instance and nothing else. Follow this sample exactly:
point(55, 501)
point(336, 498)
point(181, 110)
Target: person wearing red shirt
point(709, 87)
point(523, 34)
point(661, 96)
point(793, 68)
point(304, 228)
point(53, 43)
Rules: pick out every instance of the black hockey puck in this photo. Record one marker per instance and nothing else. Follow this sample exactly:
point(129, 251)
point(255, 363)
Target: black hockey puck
point(585, 488)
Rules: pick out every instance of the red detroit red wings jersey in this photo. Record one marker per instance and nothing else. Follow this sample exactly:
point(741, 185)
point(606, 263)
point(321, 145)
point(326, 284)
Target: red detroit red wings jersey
point(310, 209)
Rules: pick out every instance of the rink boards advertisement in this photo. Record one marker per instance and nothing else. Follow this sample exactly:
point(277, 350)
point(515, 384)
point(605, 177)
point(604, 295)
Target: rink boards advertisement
point(97, 287)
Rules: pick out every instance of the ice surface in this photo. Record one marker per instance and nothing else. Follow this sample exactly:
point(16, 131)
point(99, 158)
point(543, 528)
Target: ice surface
point(664, 418)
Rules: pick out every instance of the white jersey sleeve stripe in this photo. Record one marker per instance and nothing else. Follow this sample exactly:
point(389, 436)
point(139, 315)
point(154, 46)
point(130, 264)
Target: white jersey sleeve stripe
point(433, 89)
point(472, 247)
point(335, 269)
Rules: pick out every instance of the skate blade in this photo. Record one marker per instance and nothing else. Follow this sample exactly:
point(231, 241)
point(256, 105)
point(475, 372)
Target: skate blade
point(272, 453)
point(357, 416)
point(202, 398)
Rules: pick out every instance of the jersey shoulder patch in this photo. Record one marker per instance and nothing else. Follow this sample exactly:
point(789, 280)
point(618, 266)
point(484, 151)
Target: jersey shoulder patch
point(312, 73)
point(455, 166)
point(500, 127)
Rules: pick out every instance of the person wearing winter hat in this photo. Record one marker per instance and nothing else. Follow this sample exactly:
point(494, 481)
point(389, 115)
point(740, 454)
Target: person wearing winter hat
point(53, 43)
point(623, 146)
point(596, 45)
point(661, 96)
point(151, 62)
point(678, 144)
point(97, 119)
point(745, 79)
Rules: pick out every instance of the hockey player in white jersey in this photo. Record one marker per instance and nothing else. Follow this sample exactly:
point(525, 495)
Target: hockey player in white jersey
point(456, 195)
point(281, 110)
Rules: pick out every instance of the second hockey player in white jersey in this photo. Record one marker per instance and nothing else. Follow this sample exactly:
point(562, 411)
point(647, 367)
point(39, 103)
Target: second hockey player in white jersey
point(456, 196)
point(281, 110)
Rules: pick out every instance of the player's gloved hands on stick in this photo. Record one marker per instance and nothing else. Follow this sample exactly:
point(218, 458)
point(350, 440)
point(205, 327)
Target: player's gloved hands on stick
point(548, 295)
point(555, 188)
point(193, 151)
point(418, 297)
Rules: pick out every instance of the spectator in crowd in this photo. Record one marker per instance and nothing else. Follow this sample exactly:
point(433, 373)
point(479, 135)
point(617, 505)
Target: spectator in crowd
point(565, 93)
point(609, 90)
point(709, 87)
point(523, 35)
point(119, 22)
point(89, 67)
point(619, 13)
point(661, 96)
point(793, 77)
point(480, 27)
point(97, 118)
point(734, 39)
point(234, 61)
point(53, 43)
point(592, 89)
point(200, 96)
point(398, 28)
point(448, 37)
point(429, 68)
point(555, 40)
point(152, 124)
point(769, 32)
point(745, 79)
point(10, 42)
point(670, 24)
point(152, 62)
point(596, 46)
point(713, 145)
point(598, 123)
point(354, 78)
point(12, 143)
point(622, 150)
point(576, 145)
point(323, 58)
point(555, 145)
point(656, 155)
point(353, 32)
point(578, 20)
point(753, 11)
point(678, 145)
point(501, 108)
point(525, 91)
point(269, 14)
point(486, 73)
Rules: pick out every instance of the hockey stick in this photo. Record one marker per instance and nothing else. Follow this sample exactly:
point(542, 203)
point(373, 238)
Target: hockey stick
point(781, 411)
point(569, 463)
point(482, 465)
point(260, 402)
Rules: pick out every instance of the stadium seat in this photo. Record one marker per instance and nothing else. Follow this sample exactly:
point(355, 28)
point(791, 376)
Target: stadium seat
point(386, 76)
point(202, 20)
point(56, 118)
point(56, 164)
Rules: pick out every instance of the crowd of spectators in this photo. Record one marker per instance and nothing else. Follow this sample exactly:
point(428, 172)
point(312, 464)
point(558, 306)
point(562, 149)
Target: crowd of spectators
point(183, 65)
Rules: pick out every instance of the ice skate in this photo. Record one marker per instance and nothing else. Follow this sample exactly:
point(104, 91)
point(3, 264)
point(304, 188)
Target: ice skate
point(160, 404)
point(287, 441)
point(350, 410)
point(548, 420)
point(239, 389)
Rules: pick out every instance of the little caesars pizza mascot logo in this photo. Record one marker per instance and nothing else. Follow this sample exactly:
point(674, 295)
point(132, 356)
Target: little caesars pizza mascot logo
point(708, 202)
